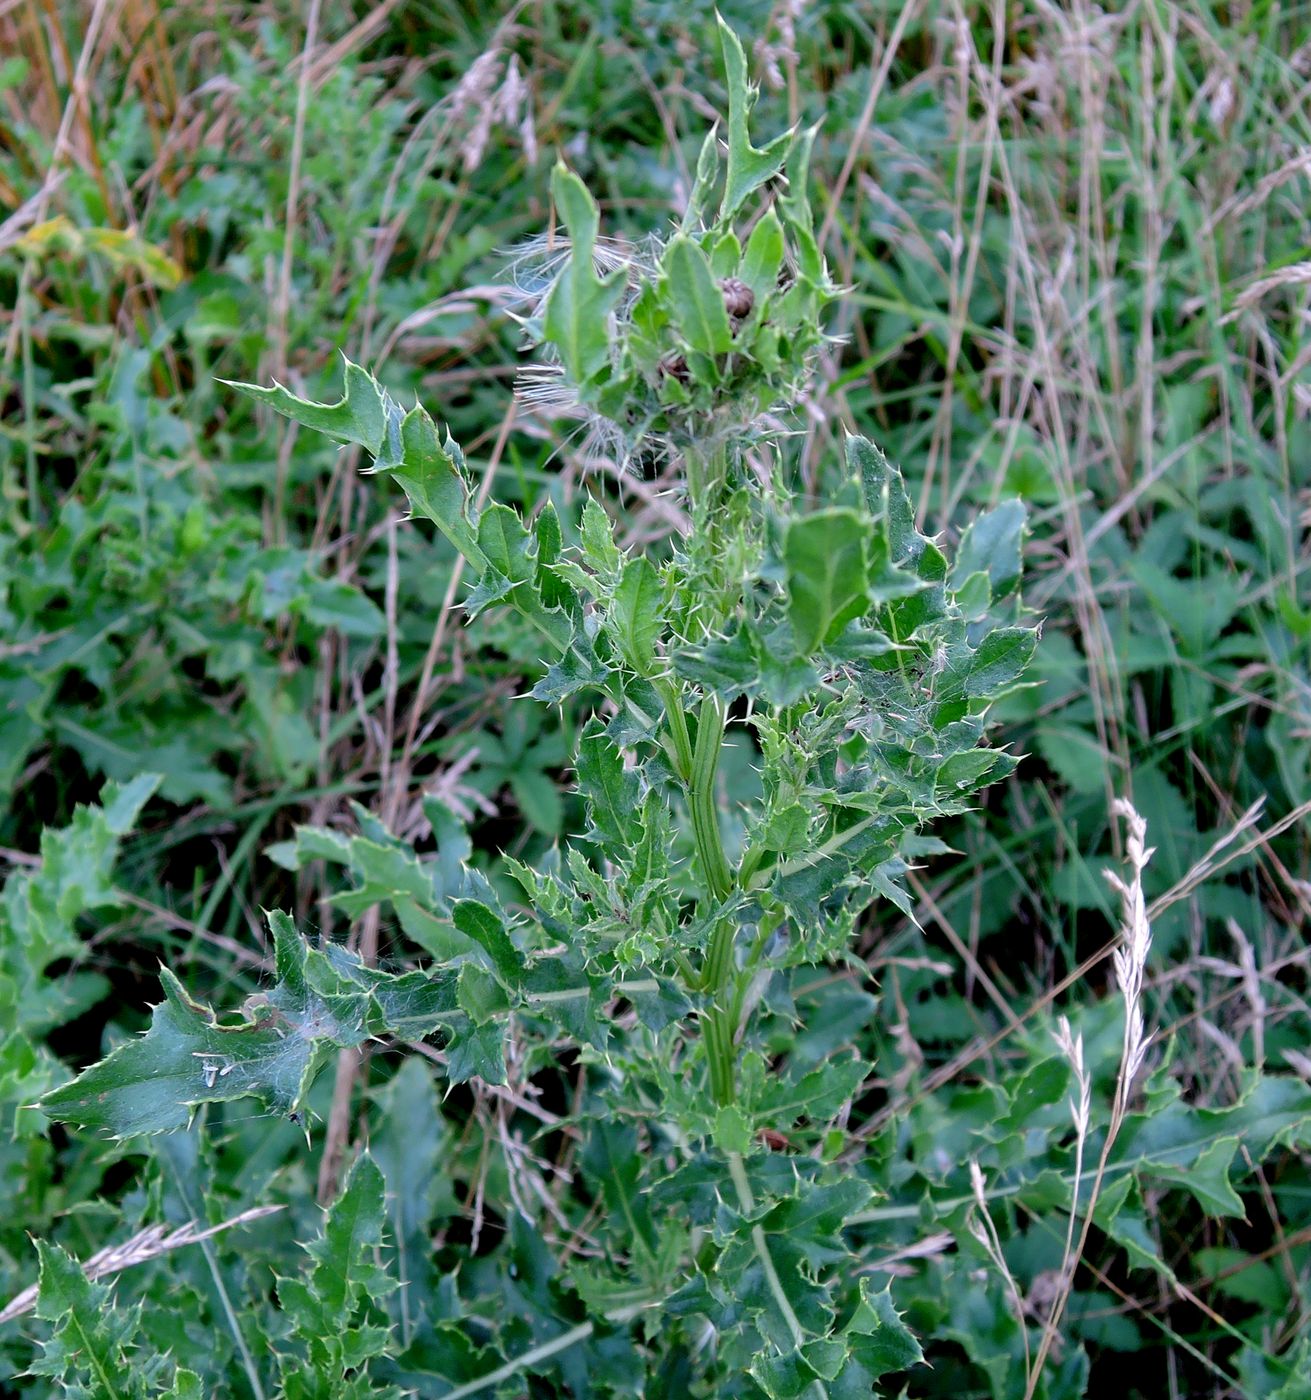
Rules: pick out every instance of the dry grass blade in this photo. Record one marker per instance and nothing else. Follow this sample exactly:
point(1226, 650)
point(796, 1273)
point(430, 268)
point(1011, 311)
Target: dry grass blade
point(985, 1232)
point(1208, 865)
point(145, 1245)
point(1130, 965)
point(1295, 275)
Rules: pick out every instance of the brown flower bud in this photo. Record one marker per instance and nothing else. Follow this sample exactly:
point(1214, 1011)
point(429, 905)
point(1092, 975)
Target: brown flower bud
point(738, 298)
point(676, 367)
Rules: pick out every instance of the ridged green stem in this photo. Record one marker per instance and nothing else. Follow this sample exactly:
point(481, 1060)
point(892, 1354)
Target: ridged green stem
point(701, 799)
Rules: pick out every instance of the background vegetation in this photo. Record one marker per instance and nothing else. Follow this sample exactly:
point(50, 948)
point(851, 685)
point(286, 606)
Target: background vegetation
point(1077, 245)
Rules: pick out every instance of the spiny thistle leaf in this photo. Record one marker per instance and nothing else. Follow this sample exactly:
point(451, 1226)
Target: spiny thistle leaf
point(328, 1307)
point(325, 999)
point(91, 1337)
point(579, 305)
point(188, 1057)
point(698, 303)
point(39, 908)
point(748, 168)
point(827, 574)
point(359, 416)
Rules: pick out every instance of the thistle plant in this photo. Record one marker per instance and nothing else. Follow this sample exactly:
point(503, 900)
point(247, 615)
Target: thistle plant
point(848, 653)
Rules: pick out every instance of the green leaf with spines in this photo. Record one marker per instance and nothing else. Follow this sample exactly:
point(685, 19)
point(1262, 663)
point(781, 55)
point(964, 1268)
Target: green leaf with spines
point(992, 545)
point(598, 539)
point(827, 574)
point(359, 416)
point(91, 1337)
point(880, 1341)
point(578, 669)
point(325, 999)
point(613, 792)
point(707, 170)
point(329, 1306)
point(432, 477)
point(579, 304)
point(697, 300)
point(482, 924)
point(748, 168)
point(153, 1083)
point(763, 257)
point(635, 614)
point(546, 528)
point(999, 661)
point(886, 499)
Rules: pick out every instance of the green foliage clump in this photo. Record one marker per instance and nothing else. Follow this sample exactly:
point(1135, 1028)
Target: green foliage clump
point(870, 665)
point(665, 1089)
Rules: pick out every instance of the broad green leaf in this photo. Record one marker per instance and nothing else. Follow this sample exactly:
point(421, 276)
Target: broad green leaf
point(324, 999)
point(432, 477)
point(813, 1217)
point(1075, 755)
point(764, 255)
point(1244, 1277)
point(635, 614)
point(698, 301)
point(613, 792)
point(1196, 610)
point(748, 168)
point(359, 416)
point(1000, 659)
point(437, 936)
point(827, 576)
point(331, 603)
point(484, 926)
point(578, 306)
point(539, 800)
point(991, 546)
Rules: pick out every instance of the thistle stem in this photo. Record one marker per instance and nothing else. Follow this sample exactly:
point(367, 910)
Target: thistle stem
point(747, 1204)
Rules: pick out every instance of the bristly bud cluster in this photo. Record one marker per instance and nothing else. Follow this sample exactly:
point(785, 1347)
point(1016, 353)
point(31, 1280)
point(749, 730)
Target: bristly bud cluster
point(698, 343)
